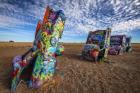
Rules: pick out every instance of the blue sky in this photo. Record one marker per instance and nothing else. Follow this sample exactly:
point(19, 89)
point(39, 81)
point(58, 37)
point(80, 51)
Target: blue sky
point(18, 18)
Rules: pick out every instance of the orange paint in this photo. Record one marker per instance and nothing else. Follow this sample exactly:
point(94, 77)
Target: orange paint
point(37, 28)
point(45, 20)
point(94, 53)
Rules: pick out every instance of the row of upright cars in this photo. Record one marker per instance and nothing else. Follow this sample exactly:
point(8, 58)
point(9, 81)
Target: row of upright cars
point(120, 44)
point(100, 43)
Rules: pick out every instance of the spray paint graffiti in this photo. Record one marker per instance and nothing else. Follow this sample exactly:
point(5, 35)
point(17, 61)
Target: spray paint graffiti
point(97, 45)
point(46, 48)
point(119, 44)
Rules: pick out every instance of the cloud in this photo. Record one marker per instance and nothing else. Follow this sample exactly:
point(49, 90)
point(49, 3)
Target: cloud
point(6, 22)
point(82, 15)
point(126, 26)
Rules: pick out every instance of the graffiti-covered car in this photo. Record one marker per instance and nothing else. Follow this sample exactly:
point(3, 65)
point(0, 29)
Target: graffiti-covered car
point(117, 45)
point(38, 65)
point(97, 44)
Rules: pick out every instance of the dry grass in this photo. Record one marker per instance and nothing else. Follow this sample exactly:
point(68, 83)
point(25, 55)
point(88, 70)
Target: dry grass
point(75, 75)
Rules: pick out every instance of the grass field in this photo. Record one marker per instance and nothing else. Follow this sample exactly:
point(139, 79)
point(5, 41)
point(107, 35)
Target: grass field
point(75, 75)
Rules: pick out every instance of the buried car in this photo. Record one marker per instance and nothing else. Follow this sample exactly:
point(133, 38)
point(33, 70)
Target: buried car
point(38, 65)
point(119, 44)
point(97, 44)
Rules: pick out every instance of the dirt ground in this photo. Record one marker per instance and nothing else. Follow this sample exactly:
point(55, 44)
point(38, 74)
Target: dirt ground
point(121, 74)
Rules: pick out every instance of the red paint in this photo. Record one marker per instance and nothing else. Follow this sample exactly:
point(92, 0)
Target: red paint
point(94, 53)
point(14, 73)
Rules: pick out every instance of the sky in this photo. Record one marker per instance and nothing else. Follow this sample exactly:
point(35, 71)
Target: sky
point(18, 18)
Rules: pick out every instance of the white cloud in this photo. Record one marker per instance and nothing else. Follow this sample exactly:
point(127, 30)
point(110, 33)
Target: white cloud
point(6, 21)
point(126, 26)
point(82, 15)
